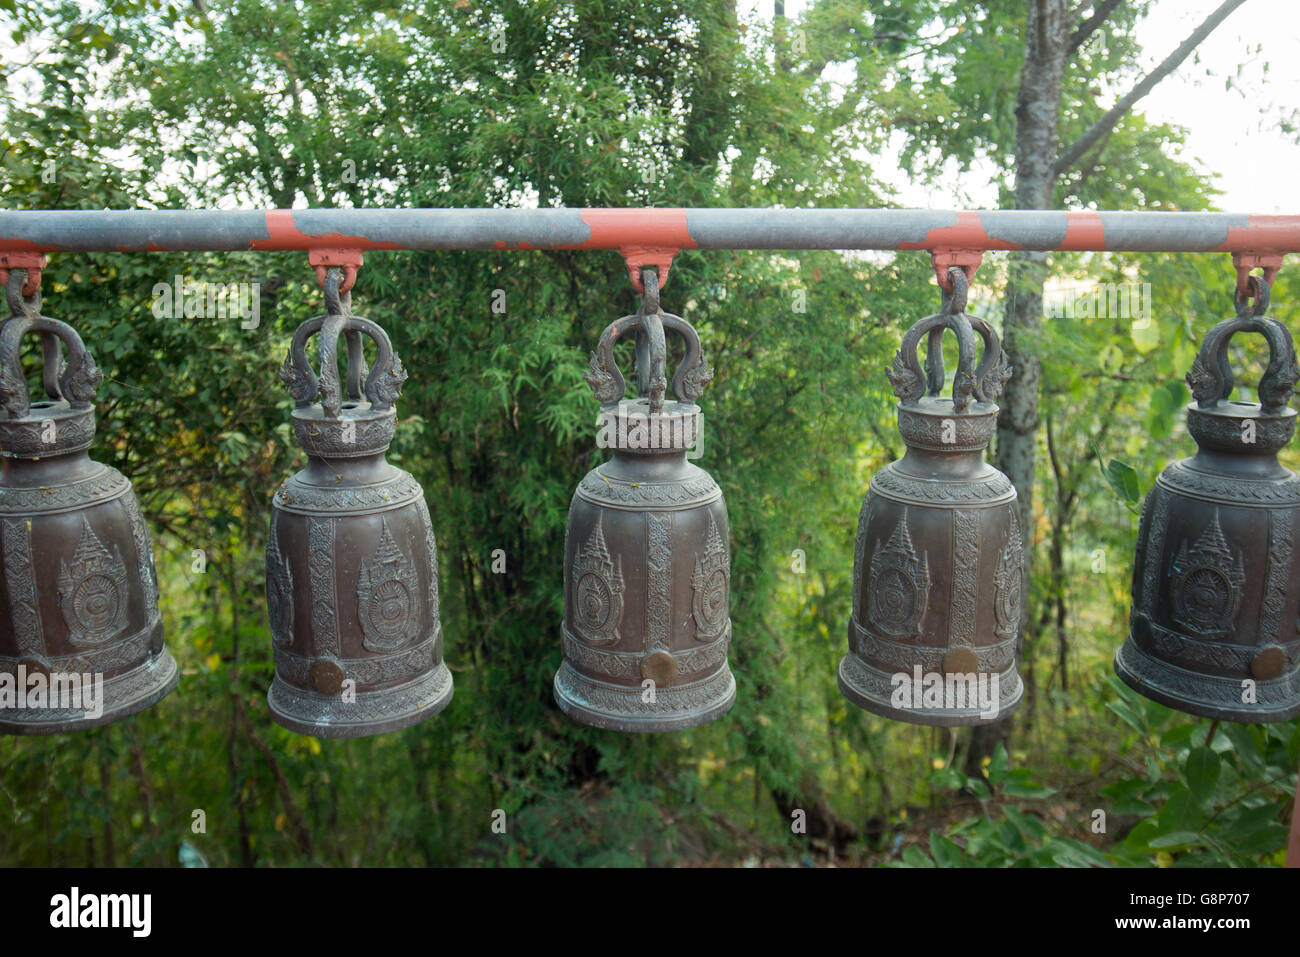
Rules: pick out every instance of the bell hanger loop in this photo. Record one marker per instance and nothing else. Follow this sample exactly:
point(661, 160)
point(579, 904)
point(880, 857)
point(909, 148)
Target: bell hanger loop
point(649, 325)
point(74, 381)
point(910, 383)
point(1211, 379)
point(982, 382)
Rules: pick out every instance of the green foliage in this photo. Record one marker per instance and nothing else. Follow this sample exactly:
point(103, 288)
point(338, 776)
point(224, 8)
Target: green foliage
point(1227, 802)
point(586, 103)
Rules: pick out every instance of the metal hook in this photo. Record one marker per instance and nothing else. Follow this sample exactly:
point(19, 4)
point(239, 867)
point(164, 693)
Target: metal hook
point(1255, 300)
point(651, 348)
point(21, 302)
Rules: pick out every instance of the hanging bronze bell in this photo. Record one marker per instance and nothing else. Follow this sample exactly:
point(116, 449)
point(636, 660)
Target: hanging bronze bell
point(351, 565)
point(1214, 627)
point(938, 572)
point(79, 619)
point(647, 566)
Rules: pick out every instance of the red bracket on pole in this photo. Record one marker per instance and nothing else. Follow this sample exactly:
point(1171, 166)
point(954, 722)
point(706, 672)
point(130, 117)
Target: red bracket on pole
point(32, 262)
point(639, 257)
point(945, 257)
point(1245, 262)
point(349, 260)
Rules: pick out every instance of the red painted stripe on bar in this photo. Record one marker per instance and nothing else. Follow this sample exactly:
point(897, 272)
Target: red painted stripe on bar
point(283, 233)
point(25, 246)
point(612, 228)
point(967, 233)
point(1083, 231)
point(1262, 234)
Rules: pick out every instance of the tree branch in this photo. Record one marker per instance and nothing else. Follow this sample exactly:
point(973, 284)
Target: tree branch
point(1090, 26)
point(1148, 82)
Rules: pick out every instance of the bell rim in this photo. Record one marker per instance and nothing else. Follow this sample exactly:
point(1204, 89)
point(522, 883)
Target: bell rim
point(1126, 673)
point(651, 723)
point(946, 718)
point(169, 680)
point(439, 677)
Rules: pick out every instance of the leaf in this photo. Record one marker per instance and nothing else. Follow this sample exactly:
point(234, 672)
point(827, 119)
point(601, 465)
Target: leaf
point(913, 856)
point(1182, 812)
point(1133, 806)
point(997, 769)
point(1244, 744)
point(1145, 335)
point(1027, 790)
point(1077, 854)
point(1127, 715)
point(946, 853)
point(1202, 771)
point(1123, 480)
point(1177, 839)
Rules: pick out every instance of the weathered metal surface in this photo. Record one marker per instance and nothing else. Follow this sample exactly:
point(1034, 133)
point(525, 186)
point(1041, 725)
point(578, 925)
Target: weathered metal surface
point(352, 564)
point(647, 562)
point(938, 569)
point(663, 229)
point(78, 589)
point(1214, 627)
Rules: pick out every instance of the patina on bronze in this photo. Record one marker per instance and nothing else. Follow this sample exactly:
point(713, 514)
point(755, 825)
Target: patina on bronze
point(647, 563)
point(1214, 628)
point(938, 570)
point(79, 596)
point(351, 565)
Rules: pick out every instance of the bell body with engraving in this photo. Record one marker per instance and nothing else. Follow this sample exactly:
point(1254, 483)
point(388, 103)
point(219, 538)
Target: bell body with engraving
point(79, 593)
point(647, 565)
point(1215, 623)
point(938, 570)
point(352, 564)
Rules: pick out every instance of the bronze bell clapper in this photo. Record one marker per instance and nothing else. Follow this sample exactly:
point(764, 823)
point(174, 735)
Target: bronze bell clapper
point(938, 570)
point(81, 637)
point(1215, 623)
point(647, 561)
point(352, 564)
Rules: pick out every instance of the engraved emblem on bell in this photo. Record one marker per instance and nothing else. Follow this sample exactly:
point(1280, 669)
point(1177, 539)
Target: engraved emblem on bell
point(598, 592)
point(92, 590)
point(1207, 582)
point(352, 564)
point(647, 570)
point(386, 597)
point(711, 586)
point(938, 573)
point(900, 584)
point(80, 595)
point(1216, 578)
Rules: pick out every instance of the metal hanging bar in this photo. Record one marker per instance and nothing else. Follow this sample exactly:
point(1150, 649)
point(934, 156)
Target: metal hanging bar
point(657, 229)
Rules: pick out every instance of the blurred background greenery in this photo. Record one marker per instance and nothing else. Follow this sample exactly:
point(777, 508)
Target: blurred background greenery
point(148, 104)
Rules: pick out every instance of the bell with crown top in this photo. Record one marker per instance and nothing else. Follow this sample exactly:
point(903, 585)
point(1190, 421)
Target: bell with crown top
point(1215, 623)
point(81, 638)
point(647, 564)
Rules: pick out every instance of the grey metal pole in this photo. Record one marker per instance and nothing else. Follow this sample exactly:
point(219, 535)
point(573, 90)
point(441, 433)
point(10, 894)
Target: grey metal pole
point(884, 229)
